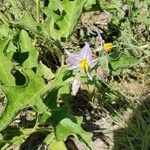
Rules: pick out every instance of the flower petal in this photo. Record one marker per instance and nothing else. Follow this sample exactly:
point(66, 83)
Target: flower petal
point(75, 86)
point(74, 67)
point(86, 52)
point(73, 60)
point(72, 57)
point(94, 62)
point(100, 38)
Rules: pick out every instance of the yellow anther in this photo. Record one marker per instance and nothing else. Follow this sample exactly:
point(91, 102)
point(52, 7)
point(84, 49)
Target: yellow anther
point(84, 65)
point(107, 47)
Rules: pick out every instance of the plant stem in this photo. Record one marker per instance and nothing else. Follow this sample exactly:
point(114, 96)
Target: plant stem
point(38, 11)
point(62, 60)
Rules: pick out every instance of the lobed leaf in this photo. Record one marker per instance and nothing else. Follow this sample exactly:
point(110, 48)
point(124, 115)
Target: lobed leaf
point(6, 52)
point(58, 145)
point(62, 18)
point(124, 62)
point(19, 97)
point(66, 124)
point(30, 94)
point(26, 45)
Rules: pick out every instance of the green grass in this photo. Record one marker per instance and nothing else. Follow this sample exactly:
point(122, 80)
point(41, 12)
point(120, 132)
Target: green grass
point(126, 97)
point(123, 101)
point(133, 40)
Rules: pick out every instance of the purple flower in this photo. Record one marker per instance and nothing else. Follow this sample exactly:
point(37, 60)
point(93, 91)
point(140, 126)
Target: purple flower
point(82, 61)
point(104, 46)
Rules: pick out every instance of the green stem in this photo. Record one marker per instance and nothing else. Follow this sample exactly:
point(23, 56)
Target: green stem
point(38, 11)
point(6, 146)
point(62, 60)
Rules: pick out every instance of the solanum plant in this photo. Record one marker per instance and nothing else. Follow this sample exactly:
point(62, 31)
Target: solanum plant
point(25, 81)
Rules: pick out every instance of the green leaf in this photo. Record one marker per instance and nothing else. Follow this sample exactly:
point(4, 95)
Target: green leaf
point(26, 45)
point(147, 21)
point(67, 127)
point(5, 32)
point(27, 22)
point(89, 4)
point(50, 138)
point(1, 137)
point(58, 145)
point(56, 94)
point(65, 90)
point(47, 72)
point(5, 60)
point(66, 124)
point(62, 18)
point(19, 97)
point(114, 4)
point(123, 62)
point(18, 8)
point(11, 48)
point(30, 94)
point(51, 100)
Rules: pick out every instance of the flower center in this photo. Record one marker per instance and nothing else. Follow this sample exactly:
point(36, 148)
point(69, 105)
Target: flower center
point(84, 65)
point(107, 47)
